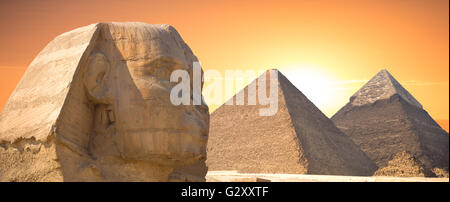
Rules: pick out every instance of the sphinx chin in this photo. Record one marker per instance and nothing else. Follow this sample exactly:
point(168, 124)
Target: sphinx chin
point(163, 150)
point(173, 160)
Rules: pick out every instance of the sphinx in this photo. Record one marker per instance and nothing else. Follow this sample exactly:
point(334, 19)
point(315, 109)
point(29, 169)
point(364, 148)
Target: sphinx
point(94, 105)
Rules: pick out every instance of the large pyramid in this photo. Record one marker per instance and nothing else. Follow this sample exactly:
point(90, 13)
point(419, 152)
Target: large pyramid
point(299, 138)
point(384, 119)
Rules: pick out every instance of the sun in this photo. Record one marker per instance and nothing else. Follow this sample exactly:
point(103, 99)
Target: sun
point(313, 81)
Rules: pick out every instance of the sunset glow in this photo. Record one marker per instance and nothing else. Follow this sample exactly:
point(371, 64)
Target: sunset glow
point(327, 48)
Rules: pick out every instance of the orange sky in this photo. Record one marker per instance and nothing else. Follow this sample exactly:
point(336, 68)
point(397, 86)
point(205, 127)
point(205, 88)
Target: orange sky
point(346, 42)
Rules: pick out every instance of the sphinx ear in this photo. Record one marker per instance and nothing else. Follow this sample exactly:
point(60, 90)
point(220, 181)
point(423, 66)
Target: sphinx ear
point(96, 78)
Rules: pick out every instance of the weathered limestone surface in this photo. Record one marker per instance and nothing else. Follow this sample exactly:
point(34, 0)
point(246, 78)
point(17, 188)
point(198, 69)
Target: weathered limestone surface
point(384, 120)
point(94, 105)
point(299, 138)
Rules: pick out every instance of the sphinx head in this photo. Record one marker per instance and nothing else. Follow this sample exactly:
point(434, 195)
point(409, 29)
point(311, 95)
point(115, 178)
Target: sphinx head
point(126, 78)
point(98, 99)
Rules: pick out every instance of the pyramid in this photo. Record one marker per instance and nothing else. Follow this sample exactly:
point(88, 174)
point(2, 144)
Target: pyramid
point(383, 118)
point(298, 138)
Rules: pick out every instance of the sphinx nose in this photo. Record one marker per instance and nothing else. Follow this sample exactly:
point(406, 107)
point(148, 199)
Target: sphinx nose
point(203, 108)
point(199, 103)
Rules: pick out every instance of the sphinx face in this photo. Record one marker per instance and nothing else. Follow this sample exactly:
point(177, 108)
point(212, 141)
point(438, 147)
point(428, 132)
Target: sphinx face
point(147, 125)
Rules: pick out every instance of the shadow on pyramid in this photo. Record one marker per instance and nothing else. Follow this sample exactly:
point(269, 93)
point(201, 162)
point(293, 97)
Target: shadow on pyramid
point(299, 138)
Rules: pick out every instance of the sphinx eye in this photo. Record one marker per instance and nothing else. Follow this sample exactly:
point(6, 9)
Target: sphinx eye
point(161, 68)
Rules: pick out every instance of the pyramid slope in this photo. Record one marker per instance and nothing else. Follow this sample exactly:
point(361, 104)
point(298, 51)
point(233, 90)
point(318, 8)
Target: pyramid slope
point(388, 126)
point(298, 139)
point(382, 86)
point(240, 139)
point(324, 144)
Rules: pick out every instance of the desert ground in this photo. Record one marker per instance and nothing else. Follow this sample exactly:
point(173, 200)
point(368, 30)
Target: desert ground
point(234, 176)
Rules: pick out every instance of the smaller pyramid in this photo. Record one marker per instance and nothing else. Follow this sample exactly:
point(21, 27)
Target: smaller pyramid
point(298, 138)
point(382, 86)
point(384, 119)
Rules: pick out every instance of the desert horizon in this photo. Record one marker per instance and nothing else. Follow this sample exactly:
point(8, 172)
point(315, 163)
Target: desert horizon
point(13, 75)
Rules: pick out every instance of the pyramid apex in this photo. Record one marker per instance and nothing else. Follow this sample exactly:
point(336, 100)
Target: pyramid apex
point(382, 86)
point(269, 72)
point(273, 70)
point(385, 72)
